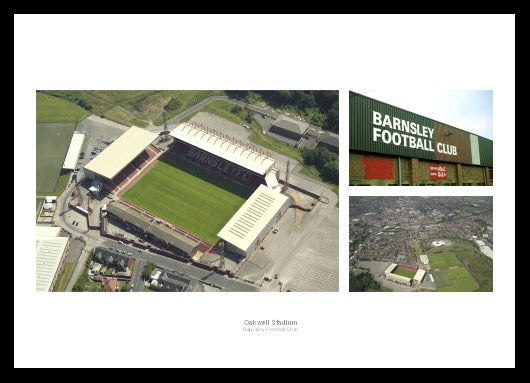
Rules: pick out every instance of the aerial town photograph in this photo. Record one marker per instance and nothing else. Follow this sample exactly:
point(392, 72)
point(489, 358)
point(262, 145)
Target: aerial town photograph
point(421, 243)
point(186, 191)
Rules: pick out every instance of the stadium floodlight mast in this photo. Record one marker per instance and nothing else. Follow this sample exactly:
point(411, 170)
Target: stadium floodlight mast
point(222, 259)
point(165, 133)
point(286, 187)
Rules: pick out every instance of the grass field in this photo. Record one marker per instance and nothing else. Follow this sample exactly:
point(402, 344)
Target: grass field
point(52, 142)
point(441, 278)
point(455, 280)
point(62, 280)
point(55, 109)
point(188, 197)
point(461, 281)
point(404, 272)
point(443, 260)
point(56, 121)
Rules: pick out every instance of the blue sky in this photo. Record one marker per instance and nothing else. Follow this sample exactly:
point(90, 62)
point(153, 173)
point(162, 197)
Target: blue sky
point(469, 110)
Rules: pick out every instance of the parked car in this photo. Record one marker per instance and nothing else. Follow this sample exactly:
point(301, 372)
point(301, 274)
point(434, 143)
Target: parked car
point(77, 223)
point(73, 222)
point(275, 231)
point(262, 247)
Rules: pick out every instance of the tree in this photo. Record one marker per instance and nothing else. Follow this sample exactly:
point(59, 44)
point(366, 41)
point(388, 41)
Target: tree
point(236, 109)
point(362, 282)
point(330, 172)
point(148, 269)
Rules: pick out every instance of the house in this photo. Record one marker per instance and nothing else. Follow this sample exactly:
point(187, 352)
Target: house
point(170, 282)
point(120, 262)
point(109, 285)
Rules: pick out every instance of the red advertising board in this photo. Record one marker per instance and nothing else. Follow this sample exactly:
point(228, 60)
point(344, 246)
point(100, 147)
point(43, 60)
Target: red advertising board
point(378, 168)
point(437, 172)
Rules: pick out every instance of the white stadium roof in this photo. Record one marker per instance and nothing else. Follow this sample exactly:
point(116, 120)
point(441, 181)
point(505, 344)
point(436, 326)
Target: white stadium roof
point(123, 150)
point(419, 275)
point(50, 249)
point(223, 148)
point(252, 217)
point(74, 150)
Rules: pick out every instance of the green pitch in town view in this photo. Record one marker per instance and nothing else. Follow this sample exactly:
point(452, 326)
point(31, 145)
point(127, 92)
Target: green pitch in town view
point(188, 197)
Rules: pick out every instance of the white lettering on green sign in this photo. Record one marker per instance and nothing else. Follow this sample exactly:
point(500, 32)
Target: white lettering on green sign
point(406, 133)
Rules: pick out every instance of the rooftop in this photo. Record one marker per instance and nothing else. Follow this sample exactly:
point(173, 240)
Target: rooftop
point(50, 249)
point(290, 125)
point(228, 150)
point(158, 230)
point(252, 217)
point(76, 144)
point(123, 150)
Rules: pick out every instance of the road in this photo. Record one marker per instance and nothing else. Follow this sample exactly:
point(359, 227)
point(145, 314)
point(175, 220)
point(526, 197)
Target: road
point(175, 120)
point(206, 276)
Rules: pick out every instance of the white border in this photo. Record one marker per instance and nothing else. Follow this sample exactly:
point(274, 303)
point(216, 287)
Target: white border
point(344, 52)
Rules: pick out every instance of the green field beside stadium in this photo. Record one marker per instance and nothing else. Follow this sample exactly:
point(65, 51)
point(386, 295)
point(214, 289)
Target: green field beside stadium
point(55, 109)
point(188, 197)
point(56, 120)
point(443, 260)
point(461, 281)
point(52, 141)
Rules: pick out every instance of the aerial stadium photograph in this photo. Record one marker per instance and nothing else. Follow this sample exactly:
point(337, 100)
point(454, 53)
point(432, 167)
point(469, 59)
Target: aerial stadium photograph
point(187, 191)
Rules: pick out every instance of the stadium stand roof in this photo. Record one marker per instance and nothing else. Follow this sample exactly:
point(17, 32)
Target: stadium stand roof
point(285, 123)
point(225, 149)
point(418, 277)
point(252, 217)
point(74, 150)
point(390, 268)
point(160, 231)
point(121, 152)
point(50, 250)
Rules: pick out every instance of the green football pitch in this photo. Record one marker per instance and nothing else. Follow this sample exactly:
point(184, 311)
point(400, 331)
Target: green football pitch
point(404, 272)
point(188, 197)
point(52, 142)
point(443, 260)
point(461, 281)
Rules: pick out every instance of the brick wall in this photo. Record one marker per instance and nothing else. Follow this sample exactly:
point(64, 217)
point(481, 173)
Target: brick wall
point(414, 171)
